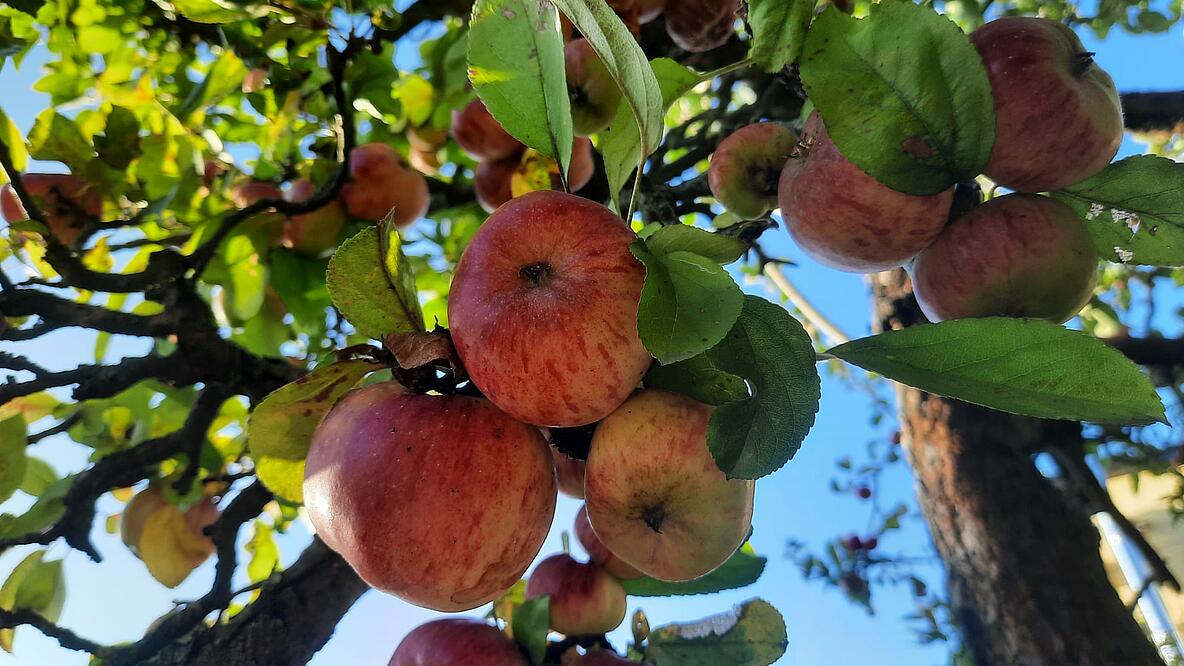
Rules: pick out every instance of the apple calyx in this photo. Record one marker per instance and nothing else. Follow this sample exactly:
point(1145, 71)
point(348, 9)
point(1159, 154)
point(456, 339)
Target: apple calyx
point(538, 273)
point(654, 517)
point(1082, 62)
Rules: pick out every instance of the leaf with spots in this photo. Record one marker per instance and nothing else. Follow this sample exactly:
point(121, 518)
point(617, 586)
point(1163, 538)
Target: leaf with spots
point(752, 634)
point(370, 281)
point(904, 95)
point(778, 31)
point(1134, 209)
point(280, 429)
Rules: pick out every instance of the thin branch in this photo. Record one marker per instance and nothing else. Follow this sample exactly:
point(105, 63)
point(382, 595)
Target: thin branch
point(61, 427)
point(59, 313)
point(11, 619)
point(773, 271)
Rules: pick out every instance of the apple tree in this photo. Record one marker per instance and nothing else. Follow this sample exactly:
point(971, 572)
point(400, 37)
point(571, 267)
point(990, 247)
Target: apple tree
point(408, 273)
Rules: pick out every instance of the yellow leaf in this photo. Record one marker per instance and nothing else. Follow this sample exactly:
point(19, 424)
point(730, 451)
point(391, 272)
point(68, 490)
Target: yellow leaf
point(168, 547)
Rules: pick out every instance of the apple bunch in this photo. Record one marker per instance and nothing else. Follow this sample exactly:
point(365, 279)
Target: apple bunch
point(1058, 122)
point(68, 203)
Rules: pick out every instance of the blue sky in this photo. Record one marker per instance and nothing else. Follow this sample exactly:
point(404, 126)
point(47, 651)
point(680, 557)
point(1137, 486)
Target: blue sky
point(116, 600)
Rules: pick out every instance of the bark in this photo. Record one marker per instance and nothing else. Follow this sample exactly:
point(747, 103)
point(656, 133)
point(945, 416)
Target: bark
point(1154, 111)
point(1026, 583)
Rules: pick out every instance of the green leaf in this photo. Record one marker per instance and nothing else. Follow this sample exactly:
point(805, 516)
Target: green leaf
point(300, 282)
point(265, 555)
point(698, 377)
point(13, 439)
point(216, 11)
point(688, 303)
point(769, 348)
point(620, 144)
point(516, 66)
point(224, 76)
point(530, 626)
point(1023, 366)
point(35, 585)
point(360, 287)
point(1135, 210)
point(625, 60)
point(683, 238)
point(741, 570)
point(280, 429)
point(55, 137)
point(11, 135)
point(45, 511)
point(752, 634)
point(904, 95)
point(39, 476)
point(399, 272)
point(778, 31)
point(120, 142)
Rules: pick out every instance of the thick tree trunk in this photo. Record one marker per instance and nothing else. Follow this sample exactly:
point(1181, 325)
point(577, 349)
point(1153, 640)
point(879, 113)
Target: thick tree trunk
point(1026, 582)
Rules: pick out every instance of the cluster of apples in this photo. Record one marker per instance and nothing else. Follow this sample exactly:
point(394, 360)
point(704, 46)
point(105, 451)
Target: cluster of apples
point(1058, 122)
point(694, 25)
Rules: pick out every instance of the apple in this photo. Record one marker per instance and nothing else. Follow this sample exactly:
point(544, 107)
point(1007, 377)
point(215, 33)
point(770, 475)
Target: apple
point(746, 167)
point(381, 184)
point(312, 234)
point(456, 641)
point(585, 599)
point(480, 135)
point(598, 552)
point(543, 310)
point(491, 184)
point(246, 193)
point(844, 218)
point(654, 494)
point(1020, 255)
point(66, 202)
point(427, 137)
point(594, 93)
point(442, 501)
point(570, 473)
point(1058, 119)
point(700, 25)
point(648, 10)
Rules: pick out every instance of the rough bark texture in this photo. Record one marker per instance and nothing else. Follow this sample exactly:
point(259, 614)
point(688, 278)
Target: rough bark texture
point(1026, 582)
point(1154, 111)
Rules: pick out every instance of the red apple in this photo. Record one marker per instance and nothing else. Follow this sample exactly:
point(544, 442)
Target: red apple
point(498, 181)
point(65, 200)
point(427, 137)
point(1058, 119)
point(250, 191)
point(648, 10)
point(380, 183)
point(1020, 255)
point(543, 310)
point(570, 472)
point(442, 501)
point(594, 93)
point(846, 219)
point(491, 184)
point(746, 167)
point(457, 641)
point(598, 552)
point(656, 497)
point(701, 25)
point(312, 234)
point(480, 135)
point(585, 599)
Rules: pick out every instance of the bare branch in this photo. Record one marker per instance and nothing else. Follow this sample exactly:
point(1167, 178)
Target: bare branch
point(11, 619)
point(1153, 111)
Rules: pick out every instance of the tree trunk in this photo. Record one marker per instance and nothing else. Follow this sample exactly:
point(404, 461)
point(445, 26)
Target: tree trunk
point(1026, 583)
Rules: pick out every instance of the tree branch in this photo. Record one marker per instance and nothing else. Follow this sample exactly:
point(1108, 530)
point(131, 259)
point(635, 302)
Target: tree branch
point(58, 312)
point(11, 619)
point(1153, 111)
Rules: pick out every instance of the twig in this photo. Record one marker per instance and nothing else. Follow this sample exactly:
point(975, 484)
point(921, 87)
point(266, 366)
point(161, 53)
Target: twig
point(61, 427)
point(799, 301)
point(10, 619)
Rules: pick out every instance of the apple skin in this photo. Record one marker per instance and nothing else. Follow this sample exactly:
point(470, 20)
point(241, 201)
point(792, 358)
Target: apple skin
point(598, 552)
point(1058, 118)
point(61, 215)
point(585, 599)
point(648, 10)
point(442, 501)
point(249, 192)
point(700, 25)
point(1020, 255)
point(491, 183)
point(654, 494)
point(457, 641)
point(593, 91)
point(746, 167)
point(380, 182)
point(498, 181)
point(480, 135)
point(844, 218)
point(543, 310)
point(570, 473)
point(312, 234)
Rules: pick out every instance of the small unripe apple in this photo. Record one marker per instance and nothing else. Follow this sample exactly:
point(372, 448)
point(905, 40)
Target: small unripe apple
point(700, 25)
point(844, 218)
point(537, 172)
point(1058, 119)
point(480, 135)
point(442, 501)
point(381, 184)
point(598, 552)
point(1020, 255)
point(656, 497)
point(594, 93)
point(570, 473)
point(457, 641)
point(491, 184)
point(65, 200)
point(543, 310)
point(746, 168)
point(315, 233)
point(585, 599)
